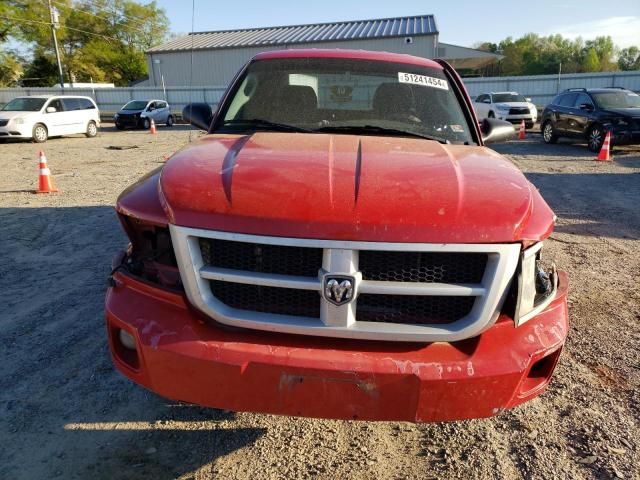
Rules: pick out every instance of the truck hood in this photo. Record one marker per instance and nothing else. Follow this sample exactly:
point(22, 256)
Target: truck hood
point(349, 187)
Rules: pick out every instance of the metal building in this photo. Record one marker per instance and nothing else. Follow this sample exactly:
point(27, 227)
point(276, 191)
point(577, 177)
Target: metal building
point(212, 58)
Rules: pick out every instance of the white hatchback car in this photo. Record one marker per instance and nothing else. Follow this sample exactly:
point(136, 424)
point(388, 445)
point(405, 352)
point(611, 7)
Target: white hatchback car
point(41, 117)
point(509, 106)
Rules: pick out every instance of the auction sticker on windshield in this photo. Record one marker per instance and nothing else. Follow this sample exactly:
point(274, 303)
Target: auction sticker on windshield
point(415, 79)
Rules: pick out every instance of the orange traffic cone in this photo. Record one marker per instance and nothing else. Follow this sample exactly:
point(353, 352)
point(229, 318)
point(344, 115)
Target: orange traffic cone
point(45, 183)
point(153, 127)
point(603, 156)
point(521, 133)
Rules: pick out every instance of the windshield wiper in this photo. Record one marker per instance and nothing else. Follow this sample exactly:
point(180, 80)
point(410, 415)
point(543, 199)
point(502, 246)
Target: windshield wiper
point(265, 124)
point(381, 130)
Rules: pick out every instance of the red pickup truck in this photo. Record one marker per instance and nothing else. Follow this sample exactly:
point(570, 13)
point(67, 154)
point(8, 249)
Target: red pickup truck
point(341, 245)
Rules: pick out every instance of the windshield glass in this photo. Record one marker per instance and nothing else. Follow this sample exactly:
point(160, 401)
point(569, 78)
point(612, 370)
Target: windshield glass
point(619, 99)
point(508, 97)
point(135, 105)
point(24, 104)
point(345, 95)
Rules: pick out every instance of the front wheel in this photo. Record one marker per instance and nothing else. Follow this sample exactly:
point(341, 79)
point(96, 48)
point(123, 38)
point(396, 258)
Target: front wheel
point(40, 133)
point(92, 129)
point(170, 121)
point(596, 138)
point(146, 124)
point(548, 134)
point(491, 115)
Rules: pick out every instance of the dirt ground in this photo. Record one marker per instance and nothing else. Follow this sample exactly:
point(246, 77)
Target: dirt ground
point(66, 413)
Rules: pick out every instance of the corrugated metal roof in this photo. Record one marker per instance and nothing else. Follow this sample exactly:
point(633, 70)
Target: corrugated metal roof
point(319, 32)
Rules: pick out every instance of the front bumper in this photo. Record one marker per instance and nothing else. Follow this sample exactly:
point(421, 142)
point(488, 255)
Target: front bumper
point(181, 357)
point(529, 119)
point(622, 136)
point(13, 130)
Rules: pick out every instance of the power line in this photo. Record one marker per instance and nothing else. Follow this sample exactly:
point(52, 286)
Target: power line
point(25, 20)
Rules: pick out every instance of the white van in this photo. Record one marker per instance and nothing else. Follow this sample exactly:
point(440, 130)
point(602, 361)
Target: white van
point(41, 117)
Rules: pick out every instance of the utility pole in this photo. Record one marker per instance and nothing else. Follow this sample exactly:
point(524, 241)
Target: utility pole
point(54, 25)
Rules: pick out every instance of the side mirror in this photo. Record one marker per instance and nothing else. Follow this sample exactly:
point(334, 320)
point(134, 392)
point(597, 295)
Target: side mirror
point(494, 131)
point(528, 99)
point(198, 114)
point(586, 106)
point(52, 109)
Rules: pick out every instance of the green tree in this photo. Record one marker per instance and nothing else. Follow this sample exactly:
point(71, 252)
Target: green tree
point(629, 58)
point(591, 62)
point(10, 69)
point(100, 40)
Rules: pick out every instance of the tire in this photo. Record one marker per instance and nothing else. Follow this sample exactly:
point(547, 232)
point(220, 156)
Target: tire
point(595, 138)
point(548, 133)
point(119, 126)
point(40, 134)
point(146, 124)
point(92, 129)
point(169, 121)
point(491, 115)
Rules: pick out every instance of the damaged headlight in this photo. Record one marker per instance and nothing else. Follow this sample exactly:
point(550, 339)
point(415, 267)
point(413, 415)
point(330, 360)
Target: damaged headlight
point(536, 285)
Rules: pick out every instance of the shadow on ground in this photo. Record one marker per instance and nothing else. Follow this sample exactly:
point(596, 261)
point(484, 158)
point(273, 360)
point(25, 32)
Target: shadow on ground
point(64, 410)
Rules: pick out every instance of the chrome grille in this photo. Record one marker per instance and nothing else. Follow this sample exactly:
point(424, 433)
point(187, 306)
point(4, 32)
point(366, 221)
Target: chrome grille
point(414, 309)
point(401, 291)
point(518, 111)
point(260, 257)
point(282, 301)
point(428, 267)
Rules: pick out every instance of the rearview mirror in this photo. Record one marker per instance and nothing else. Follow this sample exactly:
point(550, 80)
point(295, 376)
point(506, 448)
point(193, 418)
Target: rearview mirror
point(198, 114)
point(494, 131)
point(52, 109)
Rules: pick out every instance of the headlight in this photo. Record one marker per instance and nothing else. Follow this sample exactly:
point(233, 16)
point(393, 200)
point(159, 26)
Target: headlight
point(536, 285)
point(18, 121)
point(620, 121)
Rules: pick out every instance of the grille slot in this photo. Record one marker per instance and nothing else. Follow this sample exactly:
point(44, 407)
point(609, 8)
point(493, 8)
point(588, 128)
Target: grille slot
point(426, 267)
point(3, 123)
point(519, 111)
point(412, 309)
point(281, 301)
point(262, 258)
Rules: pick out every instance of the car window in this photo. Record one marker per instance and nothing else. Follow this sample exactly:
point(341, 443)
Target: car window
point(161, 104)
point(567, 100)
point(86, 104)
point(24, 104)
point(347, 94)
point(57, 104)
point(508, 97)
point(481, 98)
point(582, 98)
point(71, 104)
point(556, 100)
point(617, 99)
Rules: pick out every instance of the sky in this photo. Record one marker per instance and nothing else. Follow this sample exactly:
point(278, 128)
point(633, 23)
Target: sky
point(461, 22)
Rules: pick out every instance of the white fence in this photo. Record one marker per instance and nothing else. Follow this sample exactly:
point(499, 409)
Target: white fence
point(110, 100)
point(541, 89)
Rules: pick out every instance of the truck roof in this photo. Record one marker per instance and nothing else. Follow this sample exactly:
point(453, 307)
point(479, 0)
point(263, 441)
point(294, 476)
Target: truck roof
point(349, 54)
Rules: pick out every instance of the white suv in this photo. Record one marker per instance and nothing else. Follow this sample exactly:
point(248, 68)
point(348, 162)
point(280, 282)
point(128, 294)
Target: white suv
point(509, 106)
point(41, 117)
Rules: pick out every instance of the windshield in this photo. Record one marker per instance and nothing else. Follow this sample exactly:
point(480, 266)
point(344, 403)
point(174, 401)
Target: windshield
point(619, 99)
point(345, 95)
point(135, 105)
point(508, 97)
point(24, 104)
